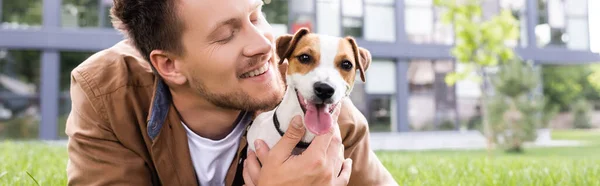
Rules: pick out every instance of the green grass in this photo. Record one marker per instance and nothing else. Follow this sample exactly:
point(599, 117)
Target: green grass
point(25, 163)
point(537, 166)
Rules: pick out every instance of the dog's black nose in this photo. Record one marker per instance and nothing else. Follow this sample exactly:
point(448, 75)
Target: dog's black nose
point(323, 90)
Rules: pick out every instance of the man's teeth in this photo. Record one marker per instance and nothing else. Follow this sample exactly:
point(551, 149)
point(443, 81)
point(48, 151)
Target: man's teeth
point(256, 72)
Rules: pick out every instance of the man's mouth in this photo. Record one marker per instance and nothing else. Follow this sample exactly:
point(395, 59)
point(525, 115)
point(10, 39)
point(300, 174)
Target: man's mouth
point(317, 117)
point(256, 72)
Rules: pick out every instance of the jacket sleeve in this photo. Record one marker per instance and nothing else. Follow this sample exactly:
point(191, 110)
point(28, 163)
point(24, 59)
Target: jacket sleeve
point(96, 157)
point(366, 167)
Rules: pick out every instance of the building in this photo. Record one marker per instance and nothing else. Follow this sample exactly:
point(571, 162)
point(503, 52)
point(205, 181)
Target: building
point(405, 88)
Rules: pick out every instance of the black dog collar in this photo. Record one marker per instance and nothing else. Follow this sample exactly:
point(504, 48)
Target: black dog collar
point(300, 144)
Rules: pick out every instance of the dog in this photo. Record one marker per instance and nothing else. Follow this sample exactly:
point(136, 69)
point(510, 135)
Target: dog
point(321, 72)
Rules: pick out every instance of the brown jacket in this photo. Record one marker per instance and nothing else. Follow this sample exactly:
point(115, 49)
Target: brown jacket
point(123, 131)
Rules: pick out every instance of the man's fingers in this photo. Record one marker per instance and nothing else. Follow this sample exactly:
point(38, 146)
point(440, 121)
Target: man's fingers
point(246, 175)
point(252, 166)
point(320, 144)
point(262, 150)
point(335, 151)
point(283, 149)
point(344, 177)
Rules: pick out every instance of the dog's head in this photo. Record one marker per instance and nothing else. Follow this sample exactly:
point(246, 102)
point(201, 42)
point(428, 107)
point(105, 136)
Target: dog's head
point(321, 70)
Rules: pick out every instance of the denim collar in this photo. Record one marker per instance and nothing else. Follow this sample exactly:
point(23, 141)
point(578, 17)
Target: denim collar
point(161, 102)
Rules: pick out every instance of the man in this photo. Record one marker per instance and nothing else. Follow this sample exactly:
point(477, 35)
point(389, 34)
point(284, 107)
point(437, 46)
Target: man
point(170, 105)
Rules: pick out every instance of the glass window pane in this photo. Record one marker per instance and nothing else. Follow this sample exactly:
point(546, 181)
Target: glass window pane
point(382, 113)
point(276, 11)
point(380, 23)
point(328, 21)
point(512, 4)
point(556, 13)
point(302, 6)
point(80, 14)
point(594, 25)
point(19, 90)
point(18, 13)
point(380, 2)
point(578, 32)
point(352, 27)
point(419, 21)
point(302, 20)
point(381, 77)
point(423, 3)
point(576, 7)
point(352, 8)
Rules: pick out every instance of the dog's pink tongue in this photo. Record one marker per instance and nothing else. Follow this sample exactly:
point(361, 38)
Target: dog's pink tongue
point(317, 119)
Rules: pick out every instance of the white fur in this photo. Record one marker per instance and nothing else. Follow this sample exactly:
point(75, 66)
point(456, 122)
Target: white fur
point(263, 126)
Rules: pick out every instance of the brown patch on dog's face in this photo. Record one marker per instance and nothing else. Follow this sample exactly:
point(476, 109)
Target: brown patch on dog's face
point(306, 55)
point(345, 62)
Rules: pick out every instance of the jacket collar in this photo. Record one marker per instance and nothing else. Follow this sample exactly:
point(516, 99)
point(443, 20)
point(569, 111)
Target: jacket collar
point(171, 152)
point(161, 101)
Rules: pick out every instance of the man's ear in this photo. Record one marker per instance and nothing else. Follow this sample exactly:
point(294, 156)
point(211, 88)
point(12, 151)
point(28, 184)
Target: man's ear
point(362, 57)
point(287, 43)
point(165, 66)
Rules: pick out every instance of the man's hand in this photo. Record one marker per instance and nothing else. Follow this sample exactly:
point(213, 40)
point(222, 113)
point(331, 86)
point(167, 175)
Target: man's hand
point(322, 163)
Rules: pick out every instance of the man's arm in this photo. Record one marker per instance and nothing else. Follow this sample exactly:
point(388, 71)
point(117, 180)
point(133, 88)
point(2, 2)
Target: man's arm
point(366, 167)
point(96, 157)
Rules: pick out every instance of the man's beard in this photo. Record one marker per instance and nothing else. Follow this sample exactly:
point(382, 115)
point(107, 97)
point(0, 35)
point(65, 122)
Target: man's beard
point(240, 100)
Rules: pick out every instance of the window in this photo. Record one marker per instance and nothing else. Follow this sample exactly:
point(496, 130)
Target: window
point(328, 17)
point(380, 22)
point(563, 23)
point(19, 90)
point(429, 92)
point(303, 15)
point(380, 88)
point(352, 18)
point(276, 13)
point(81, 14)
point(594, 24)
point(423, 24)
point(17, 14)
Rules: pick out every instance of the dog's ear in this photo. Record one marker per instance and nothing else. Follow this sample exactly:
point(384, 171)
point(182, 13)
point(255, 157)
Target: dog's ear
point(366, 58)
point(283, 42)
point(287, 43)
point(362, 57)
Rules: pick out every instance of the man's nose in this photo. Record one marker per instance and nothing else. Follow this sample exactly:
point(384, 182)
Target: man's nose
point(323, 90)
point(258, 42)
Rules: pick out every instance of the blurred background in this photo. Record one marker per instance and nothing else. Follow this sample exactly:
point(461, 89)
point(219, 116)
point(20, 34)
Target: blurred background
point(407, 91)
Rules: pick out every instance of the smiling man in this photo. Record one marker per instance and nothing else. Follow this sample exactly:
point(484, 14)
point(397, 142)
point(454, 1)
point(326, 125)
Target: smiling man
point(170, 105)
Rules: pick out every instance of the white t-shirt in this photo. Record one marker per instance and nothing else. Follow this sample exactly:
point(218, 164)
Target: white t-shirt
point(212, 158)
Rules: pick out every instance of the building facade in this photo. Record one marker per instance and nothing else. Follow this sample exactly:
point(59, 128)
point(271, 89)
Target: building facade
point(404, 90)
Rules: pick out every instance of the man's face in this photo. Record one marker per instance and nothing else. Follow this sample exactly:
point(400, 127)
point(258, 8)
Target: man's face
point(228, 46)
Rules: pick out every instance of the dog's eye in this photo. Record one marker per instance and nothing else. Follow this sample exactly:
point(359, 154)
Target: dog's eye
point(304, 58)
point(346, 65)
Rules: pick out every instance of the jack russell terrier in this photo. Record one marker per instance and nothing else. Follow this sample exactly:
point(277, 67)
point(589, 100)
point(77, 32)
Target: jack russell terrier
point(321, 72)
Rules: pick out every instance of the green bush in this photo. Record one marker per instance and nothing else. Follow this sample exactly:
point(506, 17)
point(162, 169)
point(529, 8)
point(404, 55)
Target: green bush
point(581, 114)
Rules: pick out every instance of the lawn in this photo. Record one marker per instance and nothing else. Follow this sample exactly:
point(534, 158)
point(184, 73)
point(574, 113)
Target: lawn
point(25, 163)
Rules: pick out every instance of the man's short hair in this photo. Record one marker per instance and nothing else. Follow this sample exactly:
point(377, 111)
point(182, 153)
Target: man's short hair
point(150, 24)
